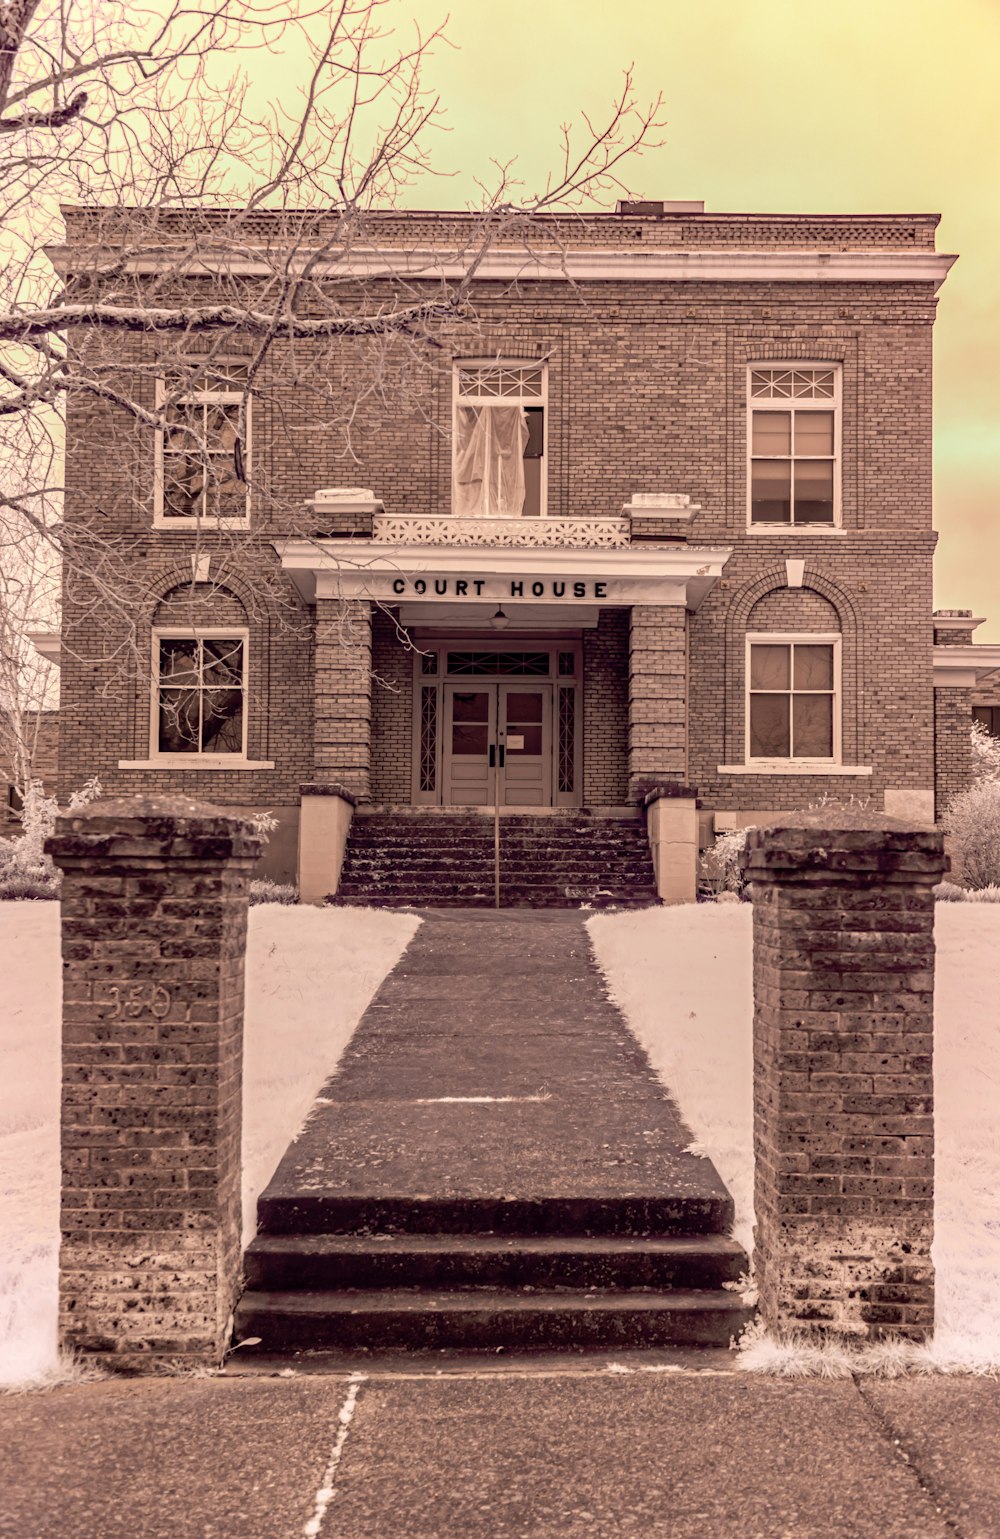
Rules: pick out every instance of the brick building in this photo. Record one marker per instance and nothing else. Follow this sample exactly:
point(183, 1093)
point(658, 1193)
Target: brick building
point(658, 520)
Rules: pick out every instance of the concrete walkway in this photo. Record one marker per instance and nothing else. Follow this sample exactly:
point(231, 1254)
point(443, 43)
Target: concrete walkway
point(492, 1067)
point(543, 1454)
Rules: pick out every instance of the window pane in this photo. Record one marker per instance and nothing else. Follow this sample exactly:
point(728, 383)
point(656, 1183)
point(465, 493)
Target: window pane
point(523, 707)
point(222, 721)
point(769, 667)
point(223, 661)
point(471, 707)
point(179, 659)
point(813, 719)
point(183, 485)
point(772, 432)
point(468, 738)
point(771, 500)
point(178, 726)
point(814, 432)
point(814, 492)
point(531, 734)
point(769, 727)
point(813, 667)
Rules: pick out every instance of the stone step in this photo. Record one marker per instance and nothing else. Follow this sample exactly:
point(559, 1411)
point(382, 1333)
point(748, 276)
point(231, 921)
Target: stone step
point(306, 1213)
point(493, 1319)
point(439, 1262)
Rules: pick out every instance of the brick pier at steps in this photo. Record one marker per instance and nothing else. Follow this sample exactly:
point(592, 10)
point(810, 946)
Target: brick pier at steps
point(493, 1166)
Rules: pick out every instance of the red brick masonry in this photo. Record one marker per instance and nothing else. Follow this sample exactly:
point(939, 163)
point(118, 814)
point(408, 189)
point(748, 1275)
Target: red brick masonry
point(843, 1077)
point(154, 912)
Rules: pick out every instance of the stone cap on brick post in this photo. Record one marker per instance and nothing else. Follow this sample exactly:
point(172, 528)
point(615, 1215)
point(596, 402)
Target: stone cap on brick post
point(175, 828)
point(861, 849)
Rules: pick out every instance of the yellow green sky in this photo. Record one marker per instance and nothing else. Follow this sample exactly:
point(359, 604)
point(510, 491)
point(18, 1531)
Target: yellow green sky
point(781, 105)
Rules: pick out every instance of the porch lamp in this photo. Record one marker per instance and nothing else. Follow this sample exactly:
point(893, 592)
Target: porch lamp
point(500, 621)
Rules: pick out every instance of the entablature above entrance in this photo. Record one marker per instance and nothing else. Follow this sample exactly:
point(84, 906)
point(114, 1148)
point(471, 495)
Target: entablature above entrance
point(357, 569)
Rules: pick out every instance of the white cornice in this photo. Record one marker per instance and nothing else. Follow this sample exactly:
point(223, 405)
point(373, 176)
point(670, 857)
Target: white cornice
point(47, 644)
point(957, 667)
point(681, 574)
point(508, 266)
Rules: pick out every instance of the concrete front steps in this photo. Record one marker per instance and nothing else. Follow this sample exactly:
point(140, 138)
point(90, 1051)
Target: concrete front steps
point(419, 859)
point(410, 1281)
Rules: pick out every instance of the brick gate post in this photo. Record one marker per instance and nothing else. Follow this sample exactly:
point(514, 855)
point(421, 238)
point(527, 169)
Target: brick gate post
point(154, 917)
point(843, 1089)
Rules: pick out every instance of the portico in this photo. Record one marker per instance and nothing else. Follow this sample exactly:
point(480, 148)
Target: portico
point(531, 677)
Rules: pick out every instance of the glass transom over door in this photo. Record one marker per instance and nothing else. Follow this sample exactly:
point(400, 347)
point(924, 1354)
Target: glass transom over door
point(478, 722)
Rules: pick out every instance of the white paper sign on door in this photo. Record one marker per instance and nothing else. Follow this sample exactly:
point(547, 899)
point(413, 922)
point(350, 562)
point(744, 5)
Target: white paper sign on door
point(515, 740)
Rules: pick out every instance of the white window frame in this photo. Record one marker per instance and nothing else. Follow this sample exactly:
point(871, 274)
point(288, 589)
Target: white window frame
point(199, 633)
point(790, 638)
point(458, 397)
point(795, 404)
point(162, 520)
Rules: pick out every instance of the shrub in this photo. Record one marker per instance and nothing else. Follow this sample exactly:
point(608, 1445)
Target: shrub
point(25, 869)
point(721, 864)
point(950, 892)
point(973, 821)
point(985, 753)
point(263, 890)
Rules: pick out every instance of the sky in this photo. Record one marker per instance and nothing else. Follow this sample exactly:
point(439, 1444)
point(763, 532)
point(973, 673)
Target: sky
point(788, 107)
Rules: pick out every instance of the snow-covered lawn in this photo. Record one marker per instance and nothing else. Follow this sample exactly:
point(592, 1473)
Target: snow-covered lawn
point(310, 974)
point(683, 978)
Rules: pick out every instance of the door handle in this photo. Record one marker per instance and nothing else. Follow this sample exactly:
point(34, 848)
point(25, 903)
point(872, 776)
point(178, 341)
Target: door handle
point(497, 748)
point(493, 756)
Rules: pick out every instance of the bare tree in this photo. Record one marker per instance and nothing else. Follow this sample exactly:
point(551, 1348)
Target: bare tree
point(219, 237)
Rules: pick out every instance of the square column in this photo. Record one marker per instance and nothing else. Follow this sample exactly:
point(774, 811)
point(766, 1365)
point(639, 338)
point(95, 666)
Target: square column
point(657, 704)
point(154, 919)
point(843, 926)
point(343, 701)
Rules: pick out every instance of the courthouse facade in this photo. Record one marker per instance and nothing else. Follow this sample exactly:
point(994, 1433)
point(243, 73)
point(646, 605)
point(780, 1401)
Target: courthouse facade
point(654, 541)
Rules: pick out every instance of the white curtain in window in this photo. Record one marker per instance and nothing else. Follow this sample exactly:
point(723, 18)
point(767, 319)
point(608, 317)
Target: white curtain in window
point(489, 461)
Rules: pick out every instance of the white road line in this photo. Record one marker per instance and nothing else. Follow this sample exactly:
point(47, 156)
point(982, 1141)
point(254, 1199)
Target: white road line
point(477, 1100)
point(325, 1494)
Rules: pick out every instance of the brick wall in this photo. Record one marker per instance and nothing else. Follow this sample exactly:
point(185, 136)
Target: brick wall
point(658, 695)
point(605, 711)
point(343, 694)
point(646, 392)
point(392, 713)
point(154, 912)
point(952, 746)
point(843, 1078)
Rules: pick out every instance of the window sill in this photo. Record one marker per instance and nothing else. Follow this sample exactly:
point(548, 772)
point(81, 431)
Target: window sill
point(187, 524)
point(823, 530)
point(179, 761)
point(787, 767)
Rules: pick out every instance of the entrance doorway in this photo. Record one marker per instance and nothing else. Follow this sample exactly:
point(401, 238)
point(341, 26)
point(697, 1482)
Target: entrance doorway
point(497, 718)
point(498, 728)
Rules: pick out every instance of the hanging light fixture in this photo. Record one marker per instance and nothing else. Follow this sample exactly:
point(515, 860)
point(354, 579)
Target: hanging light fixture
point(500, 621)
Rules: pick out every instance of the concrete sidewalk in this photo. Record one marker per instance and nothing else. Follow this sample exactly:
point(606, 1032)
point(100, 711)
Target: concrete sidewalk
point(544, 1453)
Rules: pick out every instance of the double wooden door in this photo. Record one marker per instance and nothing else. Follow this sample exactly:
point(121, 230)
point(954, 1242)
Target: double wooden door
point(498, 745)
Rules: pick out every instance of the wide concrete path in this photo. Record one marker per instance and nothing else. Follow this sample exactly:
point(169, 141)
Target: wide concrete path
point(539, 1455)
point(492, 1065)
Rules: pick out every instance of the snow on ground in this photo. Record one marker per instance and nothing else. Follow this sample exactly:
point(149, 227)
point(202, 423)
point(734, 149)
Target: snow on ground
point(310, 974)
point(682, 976)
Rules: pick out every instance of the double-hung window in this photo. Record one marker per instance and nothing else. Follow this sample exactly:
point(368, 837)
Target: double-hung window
point(794, 446)
point(199, 694)
point(499, 439)
point(793, 699)
point(203, 449)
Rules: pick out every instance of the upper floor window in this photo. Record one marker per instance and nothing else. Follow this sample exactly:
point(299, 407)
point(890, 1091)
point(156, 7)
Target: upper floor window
point(793, 698)
point(498, 459)
point(203, 450)
point(794, 445)
point(199, 694)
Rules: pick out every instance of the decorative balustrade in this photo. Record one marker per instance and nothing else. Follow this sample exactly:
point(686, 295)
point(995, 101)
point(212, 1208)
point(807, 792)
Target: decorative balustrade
point(572, 533)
